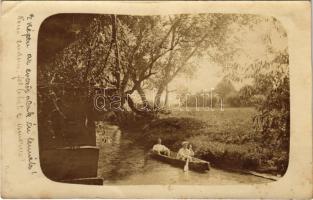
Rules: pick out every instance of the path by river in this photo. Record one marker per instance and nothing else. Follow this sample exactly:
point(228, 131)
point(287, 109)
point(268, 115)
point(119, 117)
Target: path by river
point(123, 161)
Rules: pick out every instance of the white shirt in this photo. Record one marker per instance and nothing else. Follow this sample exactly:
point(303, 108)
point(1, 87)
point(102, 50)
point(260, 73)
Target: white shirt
point(159, 148)
point(184, 153)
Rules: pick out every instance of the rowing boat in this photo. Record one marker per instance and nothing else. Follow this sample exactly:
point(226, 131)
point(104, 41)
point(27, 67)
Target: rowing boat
point(195, 164)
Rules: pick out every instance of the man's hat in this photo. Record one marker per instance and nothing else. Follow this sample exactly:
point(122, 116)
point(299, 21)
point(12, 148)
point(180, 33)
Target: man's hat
point(184, 143)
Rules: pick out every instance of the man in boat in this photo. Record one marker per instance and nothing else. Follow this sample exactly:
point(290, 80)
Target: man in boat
point(185, 152)
point(160, 148)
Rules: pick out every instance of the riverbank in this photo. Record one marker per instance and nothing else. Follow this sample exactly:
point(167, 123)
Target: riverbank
point(225, 138)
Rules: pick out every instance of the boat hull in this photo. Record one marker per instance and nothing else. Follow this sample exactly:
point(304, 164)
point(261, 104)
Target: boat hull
point(195, 165)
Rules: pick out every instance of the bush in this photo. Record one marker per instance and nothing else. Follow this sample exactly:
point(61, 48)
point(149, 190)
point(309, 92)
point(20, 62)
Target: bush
point(233, 99)
point(273, 120)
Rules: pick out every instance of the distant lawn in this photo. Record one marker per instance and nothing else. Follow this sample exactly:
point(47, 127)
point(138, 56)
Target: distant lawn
point(230, 120)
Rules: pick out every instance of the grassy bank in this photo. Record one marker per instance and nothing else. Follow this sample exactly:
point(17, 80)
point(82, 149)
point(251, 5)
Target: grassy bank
point(225, 138)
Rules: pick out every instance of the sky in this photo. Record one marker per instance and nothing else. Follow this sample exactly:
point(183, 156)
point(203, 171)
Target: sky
point(206, 76)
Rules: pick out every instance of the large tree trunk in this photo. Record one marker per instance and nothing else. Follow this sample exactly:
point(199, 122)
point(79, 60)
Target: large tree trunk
point(166, 96)
point(141, 112)
point(142, 95)
point(157, 99)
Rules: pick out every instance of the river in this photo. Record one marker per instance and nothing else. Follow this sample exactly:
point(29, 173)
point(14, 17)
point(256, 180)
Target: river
point(125, 162)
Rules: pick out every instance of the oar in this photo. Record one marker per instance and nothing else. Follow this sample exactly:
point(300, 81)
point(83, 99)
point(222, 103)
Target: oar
point(186, 167)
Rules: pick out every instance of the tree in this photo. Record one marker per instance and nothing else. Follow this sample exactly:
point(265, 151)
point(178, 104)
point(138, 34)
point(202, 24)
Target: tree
point(225, 88)
point(72, 69)
point(191, 37)
point(131, 53)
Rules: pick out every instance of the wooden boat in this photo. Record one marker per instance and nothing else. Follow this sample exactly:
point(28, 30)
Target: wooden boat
point(195, 164)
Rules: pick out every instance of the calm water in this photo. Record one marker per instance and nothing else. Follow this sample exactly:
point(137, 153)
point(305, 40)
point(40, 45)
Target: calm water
point(121, 161)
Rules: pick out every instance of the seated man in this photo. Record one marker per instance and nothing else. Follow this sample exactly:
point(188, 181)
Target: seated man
point(185, 152)
point(160, 148)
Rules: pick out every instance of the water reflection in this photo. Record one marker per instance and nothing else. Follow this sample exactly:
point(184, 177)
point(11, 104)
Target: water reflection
point(121, 161)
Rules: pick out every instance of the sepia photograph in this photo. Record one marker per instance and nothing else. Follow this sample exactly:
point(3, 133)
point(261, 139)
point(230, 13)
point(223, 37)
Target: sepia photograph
point(156, 99)
point(180, 99)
